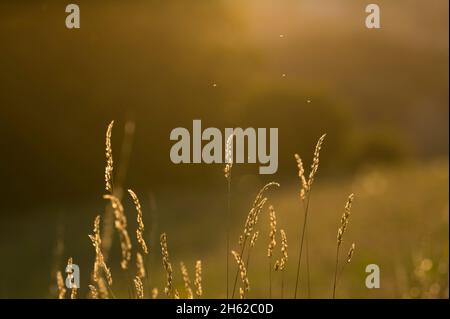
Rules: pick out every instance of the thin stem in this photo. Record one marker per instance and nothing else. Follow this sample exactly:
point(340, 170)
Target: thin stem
point(129, 285)
point(340, 274)
point(117, 186)
point(307, 266)
point(270, 277)
point(228, 228)
point(110, 290)
point(147, 273)
point(301, 244)
point(248, 259)
point(282, 284)
point(335, 271)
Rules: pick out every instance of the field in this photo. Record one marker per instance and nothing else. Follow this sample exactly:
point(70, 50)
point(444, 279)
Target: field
point(407, 239)
point(303, 67)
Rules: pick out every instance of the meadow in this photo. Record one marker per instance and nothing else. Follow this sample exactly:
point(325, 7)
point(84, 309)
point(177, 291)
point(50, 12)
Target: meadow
point(305, 67)
point(407, 239)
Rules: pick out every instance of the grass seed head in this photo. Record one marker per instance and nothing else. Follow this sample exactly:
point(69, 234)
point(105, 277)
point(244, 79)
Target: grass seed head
point(99, 263)
point(315, 164)
point(198, 279)
point(93, 291)
point(169, 289)
point(350, 253)
point(273, 231)
point(254, 239)
point(344, 219)
point(109, 159)
point(187, 281)
point(140, 266)
point(242, 270)
point(140, 222)
point(61, 286)
point(281, 263)
point(301, 174)
point(120, 224)
point(139, 287)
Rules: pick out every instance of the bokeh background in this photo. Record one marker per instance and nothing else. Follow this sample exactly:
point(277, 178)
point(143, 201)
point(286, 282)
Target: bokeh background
point(304, 66)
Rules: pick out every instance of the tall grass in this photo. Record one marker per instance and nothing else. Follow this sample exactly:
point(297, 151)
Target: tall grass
point(227, 173)
point(340, 237)
point(101, 283)
point(305, 195)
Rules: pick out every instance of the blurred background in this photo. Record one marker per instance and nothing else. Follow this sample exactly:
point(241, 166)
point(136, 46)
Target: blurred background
point(304, 66)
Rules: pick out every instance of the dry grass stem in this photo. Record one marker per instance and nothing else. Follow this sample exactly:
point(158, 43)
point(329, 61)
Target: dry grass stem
point(305, 191)
point(254, 239)
point(99, 263)
point(340, 237)
point(253, 215)
point(139, 287)
point(242, 270)
point(272, 243)
point(350, 253)
point(102, 288)
point(109, 167)
point(187, 281)
point(228, 157)
point(198, 279)
point(281, 263)
point(120, 224)
point(344, 219)
point(93, 291)
point(273, 231)
point(301, 174)
point(140, 222)
point(61, 286)
point(140, 266)
point(315, 164)
point(251, 221)
point(169, 289)
point(227, 172)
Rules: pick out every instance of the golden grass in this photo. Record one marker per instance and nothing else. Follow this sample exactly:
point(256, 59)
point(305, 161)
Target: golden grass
point(102, 278)
point(243, 274)
point(140, 266)
point(250, 223)
point(99, 263)
point(273, 231)
point(93, 291)
point(140, 222)
point(305, 193)
point(109, 167)
point(272, 243)
point(280, 264)
point(187, 281)
point(139, 287)
point(340, 237)
point(121, 227)
point(198, 279)
point(61, 286)
point(227, 173)
point(169, 289)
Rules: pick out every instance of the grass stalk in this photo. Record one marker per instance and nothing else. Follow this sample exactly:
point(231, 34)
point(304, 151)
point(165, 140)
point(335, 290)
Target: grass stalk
point(305, 219)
